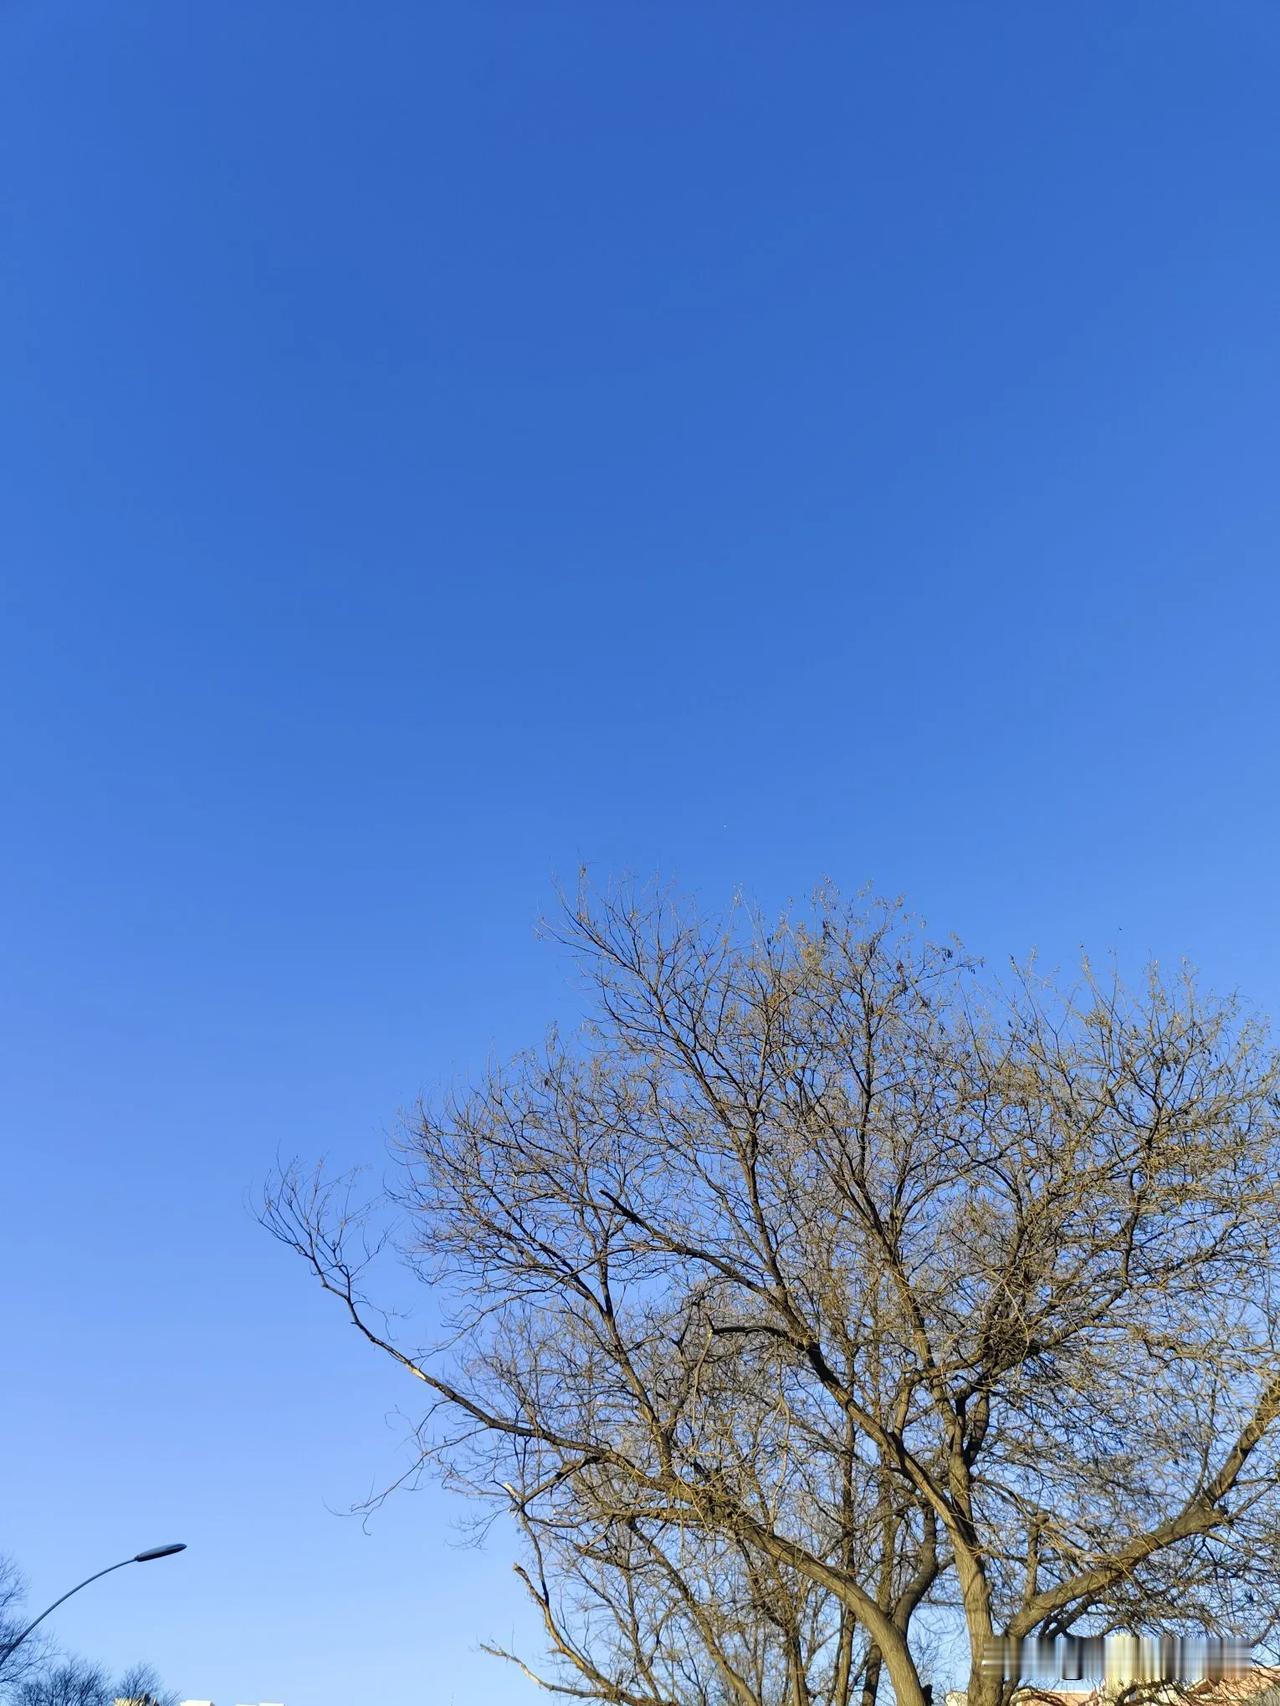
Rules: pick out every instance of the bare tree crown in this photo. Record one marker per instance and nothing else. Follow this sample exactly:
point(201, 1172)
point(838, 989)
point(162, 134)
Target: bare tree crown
point(824, 1285)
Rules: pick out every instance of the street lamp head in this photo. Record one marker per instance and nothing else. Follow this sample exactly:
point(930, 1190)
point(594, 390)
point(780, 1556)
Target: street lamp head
point(159, 1552)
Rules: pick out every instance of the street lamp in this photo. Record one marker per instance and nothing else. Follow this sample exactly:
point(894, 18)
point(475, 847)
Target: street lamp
point(138, 1558)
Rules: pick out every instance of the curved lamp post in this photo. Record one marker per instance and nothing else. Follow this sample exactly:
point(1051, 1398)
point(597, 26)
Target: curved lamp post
point(138, 1558)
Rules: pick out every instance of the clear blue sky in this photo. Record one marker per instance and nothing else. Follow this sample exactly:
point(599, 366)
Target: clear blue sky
point(444, 444)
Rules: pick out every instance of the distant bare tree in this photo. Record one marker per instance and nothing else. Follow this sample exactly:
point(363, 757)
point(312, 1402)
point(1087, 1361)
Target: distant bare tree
point(140, 1686)
point(73, 1683)
point(12, 1590)
point(77, 1683)
point(16, 1663)
point(821, 1281)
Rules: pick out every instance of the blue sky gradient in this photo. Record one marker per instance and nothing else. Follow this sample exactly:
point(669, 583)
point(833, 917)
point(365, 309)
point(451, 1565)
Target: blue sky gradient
point(446, 445)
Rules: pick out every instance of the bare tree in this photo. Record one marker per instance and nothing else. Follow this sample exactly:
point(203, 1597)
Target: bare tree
point(77, 1683)
point(16, 1662)
point(71, 1683)
point(140, 1686)
point(658, 1613)
point(844, 1282)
